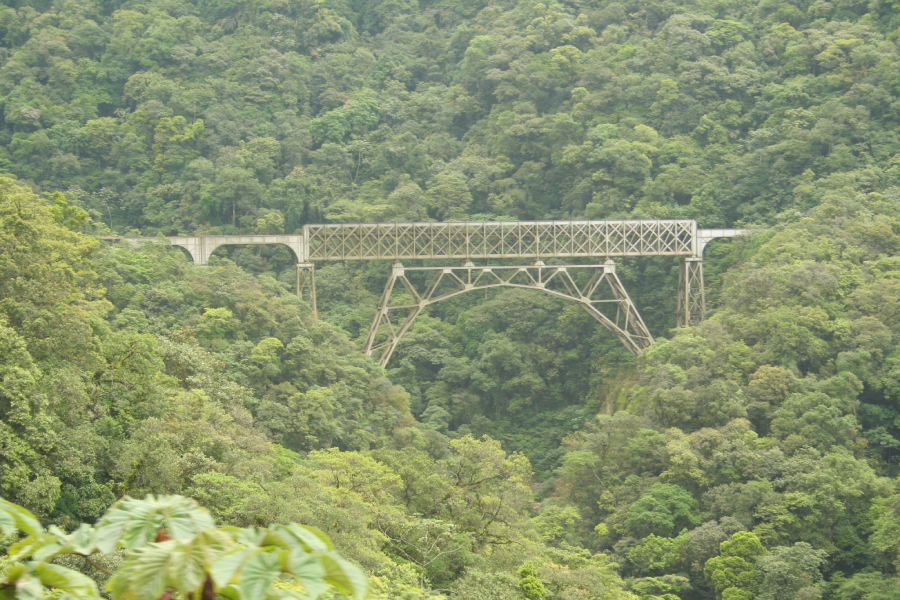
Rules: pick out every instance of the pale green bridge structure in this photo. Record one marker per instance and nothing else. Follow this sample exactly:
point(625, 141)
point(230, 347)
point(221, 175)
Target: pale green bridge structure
point(594, 286)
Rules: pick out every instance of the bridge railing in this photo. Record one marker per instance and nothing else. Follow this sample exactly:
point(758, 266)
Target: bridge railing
point(519, 239)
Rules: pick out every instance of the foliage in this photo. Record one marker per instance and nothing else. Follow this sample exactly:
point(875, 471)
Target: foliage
point(191, 375)
point(530, 583)
point(734, 573)
point(174, 546)
point(663, 508)
point(791, 572)
point(130, 372)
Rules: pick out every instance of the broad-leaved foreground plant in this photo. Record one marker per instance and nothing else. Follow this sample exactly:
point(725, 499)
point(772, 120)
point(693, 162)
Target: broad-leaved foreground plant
point(172, 545)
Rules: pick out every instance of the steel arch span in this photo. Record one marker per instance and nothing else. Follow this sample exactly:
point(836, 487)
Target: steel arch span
point(602, 296)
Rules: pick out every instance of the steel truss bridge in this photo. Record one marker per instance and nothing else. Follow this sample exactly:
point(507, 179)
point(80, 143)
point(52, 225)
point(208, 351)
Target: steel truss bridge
point(595, 286)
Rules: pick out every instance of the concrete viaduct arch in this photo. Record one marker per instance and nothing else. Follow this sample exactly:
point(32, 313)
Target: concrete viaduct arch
point(603, 296)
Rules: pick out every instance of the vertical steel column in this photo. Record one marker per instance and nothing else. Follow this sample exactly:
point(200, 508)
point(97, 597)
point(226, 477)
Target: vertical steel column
point(306, 284)
point(691, 292)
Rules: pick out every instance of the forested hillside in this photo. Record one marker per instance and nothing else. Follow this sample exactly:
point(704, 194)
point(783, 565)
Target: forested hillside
point(513, 449)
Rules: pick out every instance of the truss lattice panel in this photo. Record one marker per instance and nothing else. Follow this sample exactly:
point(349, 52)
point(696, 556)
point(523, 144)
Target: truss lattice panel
point(520, 239)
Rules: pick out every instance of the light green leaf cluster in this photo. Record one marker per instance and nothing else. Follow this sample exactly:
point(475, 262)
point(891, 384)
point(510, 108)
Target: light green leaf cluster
point(174, 546)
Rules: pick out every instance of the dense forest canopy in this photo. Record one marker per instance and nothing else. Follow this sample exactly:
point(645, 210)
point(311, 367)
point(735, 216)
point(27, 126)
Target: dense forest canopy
point(513, 449)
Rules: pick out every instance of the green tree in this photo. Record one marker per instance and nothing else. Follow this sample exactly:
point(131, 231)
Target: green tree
point(174, 143)
point(868, 586)
point(662, 510)
point(530, 583)
point(657, 555)
point(734, 573)
point(216, 323)
point(448, 196)
point(791, 572)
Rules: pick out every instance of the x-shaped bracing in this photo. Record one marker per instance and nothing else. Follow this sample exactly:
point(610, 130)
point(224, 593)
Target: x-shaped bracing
point(599, 292)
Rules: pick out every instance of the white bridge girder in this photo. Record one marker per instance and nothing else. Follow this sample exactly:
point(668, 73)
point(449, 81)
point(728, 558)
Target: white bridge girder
point(201, 247)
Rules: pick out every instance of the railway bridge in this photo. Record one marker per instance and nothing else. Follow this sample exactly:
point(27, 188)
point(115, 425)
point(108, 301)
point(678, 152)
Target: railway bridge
point(594, 286)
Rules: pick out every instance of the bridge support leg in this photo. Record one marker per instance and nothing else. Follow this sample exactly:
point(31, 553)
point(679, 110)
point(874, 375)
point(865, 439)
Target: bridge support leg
point(306, 284)
point(382, 319)
point(691, 292)
point(626, 322)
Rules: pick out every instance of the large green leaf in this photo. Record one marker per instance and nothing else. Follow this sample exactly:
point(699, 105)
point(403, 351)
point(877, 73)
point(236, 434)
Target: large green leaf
point(132, 523)
point(303, 565)
point(185, 518)
point(13, 517)
point(231, 592)
point(27, 546)
point(188, 567)
point(275, 539)
point(81, 541)
point(194, 559)
point(182, 565)
point(257, 576)
point(144, 576)
point(344, 576)
point(243, 564)
point(214, 544)
point(118, 585)
point(31, 580)
point(7, 522)
point(227, 567)
point(25, 582)
point(309, 570)
point(67, 580)
point(127, 515)
point(312, 539)
point(45, 546)
point(252, 536)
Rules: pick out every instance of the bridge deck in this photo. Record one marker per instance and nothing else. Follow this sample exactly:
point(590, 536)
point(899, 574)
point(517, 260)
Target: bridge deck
point(473, 240)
